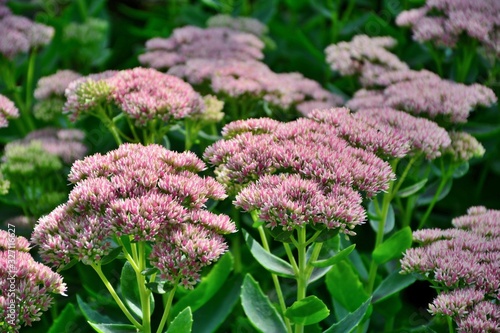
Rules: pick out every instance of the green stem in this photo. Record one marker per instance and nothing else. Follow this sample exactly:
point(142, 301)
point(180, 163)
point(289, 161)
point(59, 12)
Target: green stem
point(144, 292)
point(446, 177)
point(236, 241)
point(302, 276)
point(29, 86)
point(449, 320)
point(168, 305)
point(291, 258)
point(437, 59)
point(277, 286)
point(97, 268)
point(408, 212)
point(386, 202)
point(465, 60)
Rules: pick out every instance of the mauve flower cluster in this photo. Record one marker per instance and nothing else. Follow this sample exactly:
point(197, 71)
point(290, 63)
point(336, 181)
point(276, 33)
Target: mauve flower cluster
point(465, 263)
point(64, 143)
point(142, 93)
point(426, 95)
point(197, 43)
point(254, 80)
point(244, 24)
point(297, 172)
point(386, 132)
point(54, 85)
point(26, 287)
point(444, 21)
point(20, 34)
point(364, 56)
point(7, 111)
point(147, 193)
point(463, 147)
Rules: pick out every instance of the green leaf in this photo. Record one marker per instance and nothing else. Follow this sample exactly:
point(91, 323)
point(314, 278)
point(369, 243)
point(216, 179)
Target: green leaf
point(111, 255)
point(130, 291)
point(72, 263)
point(259, 309)
point(461, 170)
point(307, 311)
point(351, 321)
point(391, 285)
point(268, 260)
point(427, 197)
point(374, 218)
point(113, 328)
point(64, 320)
point(335, 259)
point(183, 323)
point(281, 235)
point(208, 286)
point(394, 246)
point(213, 313)
point(344, 285)
point(90, 314)
point(412, 189)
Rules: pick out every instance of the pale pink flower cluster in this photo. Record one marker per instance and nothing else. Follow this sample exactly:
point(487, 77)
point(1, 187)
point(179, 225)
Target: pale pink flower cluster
point(465, 263)
point(142, 93)
point(245, 24)
point(65, 143)
point(254, 80)
point(148, 193)
point(7, 111)
point(20, 34)
point(364, 56)
point(26, 286)
point(87, 92)
point(289, 201)
point(297, 173)
point(463, 147)
point(386, 132)
point(426, 95)
point(303, 146)
point(197, 43)
point(444, 21)
point(54, 85)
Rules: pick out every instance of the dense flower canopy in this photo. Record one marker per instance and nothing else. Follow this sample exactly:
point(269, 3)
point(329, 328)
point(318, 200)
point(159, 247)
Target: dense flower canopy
point(148, 193)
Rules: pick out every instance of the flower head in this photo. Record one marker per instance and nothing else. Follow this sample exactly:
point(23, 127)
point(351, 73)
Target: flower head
point(191, 42)
point(253, 80)
point(428, 96)
point(147, 193)
point(26, 286)
point(7, 111)
point(20, 34)
point(289, 201)
point(364, 56)
point(244, 24)
point(465, 262)
point(463, 147)
point(444, 21)
point(54, 85)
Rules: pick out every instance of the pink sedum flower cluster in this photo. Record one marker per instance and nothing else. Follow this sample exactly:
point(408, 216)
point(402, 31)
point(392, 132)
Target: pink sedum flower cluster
point(197, 43)
point(386, 132)
point(426, 95)
point(7, 111)
point(148, 193)
point(364, 56)
point(64, 143)
point(54, 85)
point(20, 34)
point(465, 262)
point(244, 24)
point(26, 286)
point(297, 173)
point(444, 21)
point(143, 94)
point(253, 80)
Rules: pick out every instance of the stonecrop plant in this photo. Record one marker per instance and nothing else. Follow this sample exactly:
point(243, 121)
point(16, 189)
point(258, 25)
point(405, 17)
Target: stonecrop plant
point(249, 166)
